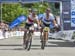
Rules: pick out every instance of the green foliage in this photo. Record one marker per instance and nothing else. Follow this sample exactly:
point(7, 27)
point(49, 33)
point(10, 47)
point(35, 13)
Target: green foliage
point(40, 7)
point(54, 10)
point(11, 11)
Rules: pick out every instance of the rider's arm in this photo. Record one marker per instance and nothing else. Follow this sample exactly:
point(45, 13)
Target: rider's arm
point(53, 18)
point(27, 20)
point(40, 17)
point(37, 21)
point(54, 22)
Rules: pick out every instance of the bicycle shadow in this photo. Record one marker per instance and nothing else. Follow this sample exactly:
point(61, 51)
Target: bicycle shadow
point(17, 47)
point(61, 44)
point(37, 46)
point(10, 44)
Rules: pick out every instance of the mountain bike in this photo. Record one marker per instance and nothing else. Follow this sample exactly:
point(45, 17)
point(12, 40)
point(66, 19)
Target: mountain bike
point(43, 37)
point(28, 38)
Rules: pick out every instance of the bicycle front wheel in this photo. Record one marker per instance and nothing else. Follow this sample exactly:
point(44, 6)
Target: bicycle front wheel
point(29, 41)
point(42, 42)
point(25, 38)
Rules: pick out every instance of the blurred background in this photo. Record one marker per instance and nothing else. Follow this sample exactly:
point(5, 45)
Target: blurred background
point(10, 11)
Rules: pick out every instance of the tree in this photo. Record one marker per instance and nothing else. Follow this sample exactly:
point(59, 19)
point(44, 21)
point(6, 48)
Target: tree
point(11, 11)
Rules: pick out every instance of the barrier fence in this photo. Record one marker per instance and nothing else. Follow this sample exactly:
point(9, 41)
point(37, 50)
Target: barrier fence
point(64, 35)
point(11, 34)
point(14, 34)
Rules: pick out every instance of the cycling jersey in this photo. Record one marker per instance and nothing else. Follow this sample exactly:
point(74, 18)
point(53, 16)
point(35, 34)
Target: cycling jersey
point(49, 20)
point(31, 19)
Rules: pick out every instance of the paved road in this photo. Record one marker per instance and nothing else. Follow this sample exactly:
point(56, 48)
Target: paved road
point(13, 47)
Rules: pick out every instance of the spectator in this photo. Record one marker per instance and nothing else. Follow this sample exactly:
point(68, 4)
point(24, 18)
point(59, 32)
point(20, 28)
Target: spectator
point(4, 28)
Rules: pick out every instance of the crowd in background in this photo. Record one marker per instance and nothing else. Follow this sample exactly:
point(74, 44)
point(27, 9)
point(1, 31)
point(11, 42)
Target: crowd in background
point(3, 27)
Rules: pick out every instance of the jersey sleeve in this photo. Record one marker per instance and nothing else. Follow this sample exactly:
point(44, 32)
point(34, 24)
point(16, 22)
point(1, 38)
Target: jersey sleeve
point(52, 16)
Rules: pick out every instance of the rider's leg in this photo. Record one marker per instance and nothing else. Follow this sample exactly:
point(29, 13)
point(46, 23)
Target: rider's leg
point(46, 36)
point(24, 37)
point(25, 31)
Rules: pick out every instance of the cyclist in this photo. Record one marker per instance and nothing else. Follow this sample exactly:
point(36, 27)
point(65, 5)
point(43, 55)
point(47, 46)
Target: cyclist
point(46, 20)
point(29, 22)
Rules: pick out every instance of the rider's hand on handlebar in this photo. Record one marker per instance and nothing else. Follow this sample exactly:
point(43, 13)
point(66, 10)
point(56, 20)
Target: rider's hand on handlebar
point(56, 25)
point(39, 27)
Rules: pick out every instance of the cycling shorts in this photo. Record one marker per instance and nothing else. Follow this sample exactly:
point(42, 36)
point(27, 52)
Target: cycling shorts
point(28, 25)
point(44, 25)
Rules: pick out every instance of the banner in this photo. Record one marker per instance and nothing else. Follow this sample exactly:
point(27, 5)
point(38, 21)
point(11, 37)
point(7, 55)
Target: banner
point(72, 13)
point(17, 21)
